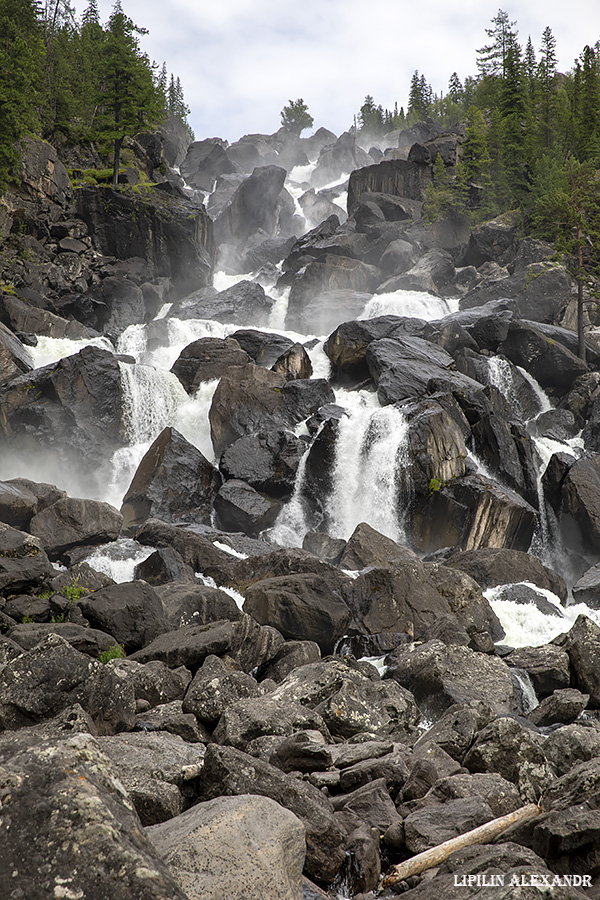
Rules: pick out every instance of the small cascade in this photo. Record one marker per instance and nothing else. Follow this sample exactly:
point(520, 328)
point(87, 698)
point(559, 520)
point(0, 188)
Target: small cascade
point(525, 689)
point(119, 559)
point(369, 476)
point(49, 350)
point(412, 304)
point(292, 524)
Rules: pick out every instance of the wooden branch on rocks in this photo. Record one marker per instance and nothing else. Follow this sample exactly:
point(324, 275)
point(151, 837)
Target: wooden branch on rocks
point(481, 835)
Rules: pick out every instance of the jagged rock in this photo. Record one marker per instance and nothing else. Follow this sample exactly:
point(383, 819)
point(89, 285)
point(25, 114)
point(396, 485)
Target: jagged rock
point(155, 769)
point(173, 482)
point(472, 513)
point(572, 744)
point(304, 751)
point(173, 235)
point(42, 172)
point(242, 303)
point(205, 359)
point(246, 719)
point(514, 752)
point(70, 779)
point(264, 347)
point(70, 411)
point(23, 563)
point(251, 844)
point(547, 666)
point(301, 607)
point(490, 566)
point(488, 325)
point(330, 272)
point(240, 507)
point(173, 138)
point(433, 272)
point(15, 359)
point(371, 803)
point(244, 640)
point(337, 159)
point(163, 566)
point(187, 603)
point(204, 162)
point(266, 460)
point(228, 771)
point(582, 643)
point(251, 399)
point(197, 550)
point(348, 701)
point(17, 505)
point(550, 362)
point(562, 707)
point(490, 240)
point(541, 290)
point(440, 675)
point(325, 547)
point(216, 685)
point(51, 677)
point(580, 492)
point(253, 206)
point(293, 363)
point(397, 177)
point(22, 317)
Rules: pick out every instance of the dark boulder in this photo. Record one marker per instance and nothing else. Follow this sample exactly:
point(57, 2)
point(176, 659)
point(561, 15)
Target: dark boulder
point(426, 828)
point(582, 643)
point(239, 507)
point(397, 177)
point(266, 460)
point(580, 519)
point(192, 603)
point(440, 675)
point(72, 523)
point(15, 359)
point(301, 607)
point(132, 613)
point(562, 707)
point(263, 347)
point(52, 676)
point(337, 159)
point(490, 566)
point(204, 162)
point(293, 363)
point(217, 684)
point(173, 235)
point(205, 359)
point(173, 482)
point(548, 667)
point(18, 505)
point(164, 566)
point(253, 206)
point(549, 361)
point(243, 303)
point(71, 411)
point(248, 719)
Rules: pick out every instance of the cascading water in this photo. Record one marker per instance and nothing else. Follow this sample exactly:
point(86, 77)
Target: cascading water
point(371, 459)
point(412, 304)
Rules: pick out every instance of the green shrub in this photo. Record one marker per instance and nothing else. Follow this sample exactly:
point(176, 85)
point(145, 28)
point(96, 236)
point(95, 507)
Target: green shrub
point(115, 652)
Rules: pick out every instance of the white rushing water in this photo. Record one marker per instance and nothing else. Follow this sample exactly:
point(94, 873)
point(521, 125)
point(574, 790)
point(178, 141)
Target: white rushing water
point(412, 304)
point(371, 451)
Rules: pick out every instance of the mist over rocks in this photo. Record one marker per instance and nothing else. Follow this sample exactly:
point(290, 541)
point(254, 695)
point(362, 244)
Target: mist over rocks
point(289, 396)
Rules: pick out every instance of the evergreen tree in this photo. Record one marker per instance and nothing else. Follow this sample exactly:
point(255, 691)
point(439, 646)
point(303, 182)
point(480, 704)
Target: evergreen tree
point(419, 97)
point(586, 105)
point(455, 88)
point(131, 101)
point(295, 117)
point(546, 78)
point(21, 61)
point(474, 183)
point(371, 117)
point(440, 196)
point(493, 57)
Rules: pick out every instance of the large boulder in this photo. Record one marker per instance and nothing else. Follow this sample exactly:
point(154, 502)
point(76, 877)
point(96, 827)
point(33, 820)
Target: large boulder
point(491, 566)
point(205, 359)
point(52, 676)
point(173, 482)
point(472, 513)
point(72, 523)
point(251, 844)
point(251, 399)
point(239, 507)
point(266, 460)
point(580, 519)
point(582, 643)
point(244, 303)
point(58, 782)
point(253, 206)
point(132, 613)
point(301, 607)
point(15, 359)
point(69, 412)
point(549, 361)
point(397, 177)
point(204, 162)
point(440, 675)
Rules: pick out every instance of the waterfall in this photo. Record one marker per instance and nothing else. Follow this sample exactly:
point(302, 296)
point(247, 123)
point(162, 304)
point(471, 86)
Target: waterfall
point(413, 304)
point(369, 477)
point(292, 524)
point(526, 690)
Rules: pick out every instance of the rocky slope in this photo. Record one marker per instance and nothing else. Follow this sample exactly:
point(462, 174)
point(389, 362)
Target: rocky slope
point(212, 726)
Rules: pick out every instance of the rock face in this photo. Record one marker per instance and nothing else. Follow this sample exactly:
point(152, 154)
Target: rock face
point(174, 236)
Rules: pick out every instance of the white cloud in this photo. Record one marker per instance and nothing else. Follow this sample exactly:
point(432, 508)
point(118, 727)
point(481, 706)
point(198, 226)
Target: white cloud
point(240, 61)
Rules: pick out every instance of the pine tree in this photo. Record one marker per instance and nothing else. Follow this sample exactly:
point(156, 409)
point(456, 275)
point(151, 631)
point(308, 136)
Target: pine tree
point(473, 178)
point(22, 55)
point(295, 117)
point(419, 97)
point(455, 88)
point(371, 117)
point(131, 101)
point(546, 78)
point(493, 57)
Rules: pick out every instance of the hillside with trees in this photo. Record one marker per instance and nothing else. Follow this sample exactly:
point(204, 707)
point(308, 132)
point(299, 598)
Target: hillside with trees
point(76, 82)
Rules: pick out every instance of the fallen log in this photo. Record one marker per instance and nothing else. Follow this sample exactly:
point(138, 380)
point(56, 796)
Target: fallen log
point(436, 855)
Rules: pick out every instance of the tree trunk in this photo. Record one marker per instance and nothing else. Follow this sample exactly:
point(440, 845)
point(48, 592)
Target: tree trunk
point(482, 835)
point(117, 155)
point(580, 334)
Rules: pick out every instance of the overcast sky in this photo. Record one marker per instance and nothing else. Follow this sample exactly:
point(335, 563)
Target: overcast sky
point(241, 61)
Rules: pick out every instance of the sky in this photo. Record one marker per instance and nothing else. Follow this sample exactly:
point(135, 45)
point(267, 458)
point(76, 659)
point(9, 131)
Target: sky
point(241, 61)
